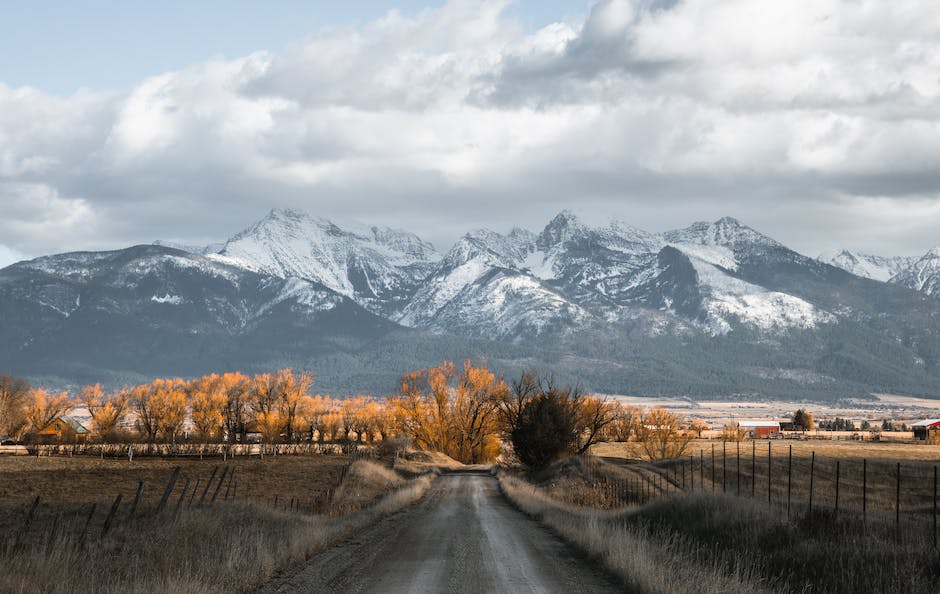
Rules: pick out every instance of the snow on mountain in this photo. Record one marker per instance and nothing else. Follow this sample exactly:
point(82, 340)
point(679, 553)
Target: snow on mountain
point(481, 288)
point(165, 276)
point(878, 268)
point(726, 232)
point(923, 274)
point(727, 296)
point(377, 267)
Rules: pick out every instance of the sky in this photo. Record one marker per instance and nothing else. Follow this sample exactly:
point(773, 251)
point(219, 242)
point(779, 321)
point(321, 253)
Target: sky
point(816, 122)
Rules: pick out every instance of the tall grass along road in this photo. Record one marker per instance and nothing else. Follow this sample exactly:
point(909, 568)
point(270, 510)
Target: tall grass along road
point(464, 537)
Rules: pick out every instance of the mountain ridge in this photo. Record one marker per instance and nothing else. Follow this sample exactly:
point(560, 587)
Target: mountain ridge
point(688, 311)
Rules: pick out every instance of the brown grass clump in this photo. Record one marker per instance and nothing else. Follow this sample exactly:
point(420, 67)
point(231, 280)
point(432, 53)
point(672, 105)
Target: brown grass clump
point(416, 462)
point(364, 482)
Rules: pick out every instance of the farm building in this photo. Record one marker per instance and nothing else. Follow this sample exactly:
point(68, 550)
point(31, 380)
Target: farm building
point(928, 429)
point(759, 428)
point(64, 429)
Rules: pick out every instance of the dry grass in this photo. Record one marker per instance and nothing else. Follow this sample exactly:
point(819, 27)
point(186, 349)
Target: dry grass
point(365, 482)
point(880, 463)
point(229, 546)
point(711, 541)
point(645, 561)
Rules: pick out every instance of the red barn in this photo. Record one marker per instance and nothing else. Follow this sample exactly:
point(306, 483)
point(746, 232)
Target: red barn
point(927, 428)
point(759, 428)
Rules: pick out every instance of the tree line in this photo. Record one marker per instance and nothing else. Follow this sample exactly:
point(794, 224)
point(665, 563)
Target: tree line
point(465, 411)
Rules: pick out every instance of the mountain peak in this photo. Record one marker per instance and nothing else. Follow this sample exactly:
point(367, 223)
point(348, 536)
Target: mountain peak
point(561, 228)
point(726, 231)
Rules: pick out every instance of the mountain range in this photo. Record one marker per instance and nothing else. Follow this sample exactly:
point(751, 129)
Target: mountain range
point(716, 308)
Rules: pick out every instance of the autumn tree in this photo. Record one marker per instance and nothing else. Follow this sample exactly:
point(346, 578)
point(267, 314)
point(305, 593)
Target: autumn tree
point(451, 411)
point(697, 426)
point(14, 395)
point(803, 420)
point(106, 410)
point(625, 422)
point(44, 407)
point(292, 388)
point(593, 416)
point(236, 409)
point(161, 408)
point(207, 404)
point(662, 436)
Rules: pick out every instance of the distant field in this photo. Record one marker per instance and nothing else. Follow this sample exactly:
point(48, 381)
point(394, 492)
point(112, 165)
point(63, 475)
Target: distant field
point(867, 472)
point(826, 448)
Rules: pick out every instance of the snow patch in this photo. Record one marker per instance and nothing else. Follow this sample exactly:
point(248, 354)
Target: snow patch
point(168, 299)
point(752, 304)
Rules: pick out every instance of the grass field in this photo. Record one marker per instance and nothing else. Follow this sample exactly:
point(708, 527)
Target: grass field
point(658, 537)
point(230, 545)
point(742, 468)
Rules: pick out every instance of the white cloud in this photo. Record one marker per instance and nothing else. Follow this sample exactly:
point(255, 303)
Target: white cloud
point(650, 111)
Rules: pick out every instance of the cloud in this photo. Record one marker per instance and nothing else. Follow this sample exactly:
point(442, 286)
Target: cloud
point(656, 112)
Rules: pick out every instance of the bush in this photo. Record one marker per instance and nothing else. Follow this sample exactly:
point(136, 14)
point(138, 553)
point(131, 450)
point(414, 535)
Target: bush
point(546, 429)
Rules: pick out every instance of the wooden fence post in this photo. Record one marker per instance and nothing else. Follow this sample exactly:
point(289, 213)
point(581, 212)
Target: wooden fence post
point(24, 529)
point(137, 495)
point(179, 502)
point(195, 490)
point(812, 471)
point(692, 472)
point(753, 469)
point(231, 476)
point(738, 462)
point(713, 467)
point(219, 486)
point(84, 534)
point(169, 489)
point(897, 503)
point(724, 466)
point(769, 462)
point(789, 478)
point(837, 487)
point(701, 468)
point(202, 498)
point(114, 509)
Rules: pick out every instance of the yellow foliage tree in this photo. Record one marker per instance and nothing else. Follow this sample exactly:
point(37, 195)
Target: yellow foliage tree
point(107, 410)
point(44, 407)
point(207, 402)
point(454, 412)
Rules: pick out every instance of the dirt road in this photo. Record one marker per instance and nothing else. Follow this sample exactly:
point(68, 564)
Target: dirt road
point(464, 537)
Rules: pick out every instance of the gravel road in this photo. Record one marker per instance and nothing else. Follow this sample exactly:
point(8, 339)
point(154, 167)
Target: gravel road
point(463, 537)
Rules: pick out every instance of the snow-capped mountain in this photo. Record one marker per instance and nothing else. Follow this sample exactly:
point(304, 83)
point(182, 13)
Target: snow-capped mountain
point(377, 267)
point(880, 268)
point(716, 307)
point(923, 274)
point(517, 285)
point(480, 289)
point(160, 310)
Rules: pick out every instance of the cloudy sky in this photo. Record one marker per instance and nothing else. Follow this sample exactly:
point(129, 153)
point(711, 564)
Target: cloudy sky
point(816, 121)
